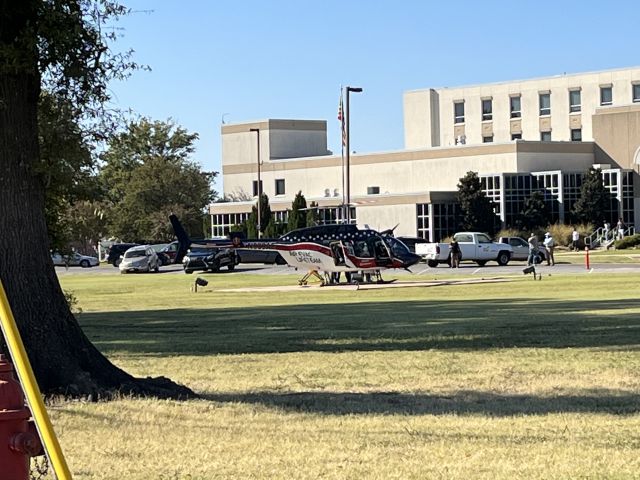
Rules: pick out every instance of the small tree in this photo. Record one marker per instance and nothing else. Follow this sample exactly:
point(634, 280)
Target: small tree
point(478, 211)
point(312, 214)
point(534, 213)
point(595, 199)
point(297, 215)
point(265, 217)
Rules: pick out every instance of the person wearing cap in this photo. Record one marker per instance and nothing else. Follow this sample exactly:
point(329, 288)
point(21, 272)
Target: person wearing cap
point(549, 244)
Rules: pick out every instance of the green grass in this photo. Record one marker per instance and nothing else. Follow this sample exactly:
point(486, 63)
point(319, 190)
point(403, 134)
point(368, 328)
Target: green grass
point(513, 380)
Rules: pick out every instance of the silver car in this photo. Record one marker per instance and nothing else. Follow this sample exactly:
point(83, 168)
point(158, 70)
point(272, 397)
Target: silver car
point(521, 248)
point(142, 258)
point(74, 260)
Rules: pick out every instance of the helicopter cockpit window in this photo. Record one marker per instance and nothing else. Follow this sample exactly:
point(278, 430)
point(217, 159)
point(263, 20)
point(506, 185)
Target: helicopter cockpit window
point(398, 249)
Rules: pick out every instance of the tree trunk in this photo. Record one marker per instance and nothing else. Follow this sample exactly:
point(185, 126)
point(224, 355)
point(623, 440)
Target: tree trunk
point(63, 359)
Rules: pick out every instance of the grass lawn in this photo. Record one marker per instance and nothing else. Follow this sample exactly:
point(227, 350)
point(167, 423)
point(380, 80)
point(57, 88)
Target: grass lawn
point(515, 380)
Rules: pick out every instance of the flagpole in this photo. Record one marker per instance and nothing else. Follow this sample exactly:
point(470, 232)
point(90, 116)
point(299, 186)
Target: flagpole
point(341, 112)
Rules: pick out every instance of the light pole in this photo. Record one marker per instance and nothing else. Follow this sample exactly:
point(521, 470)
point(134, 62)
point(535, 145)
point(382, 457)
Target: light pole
point(257, 130)
point(349, 90)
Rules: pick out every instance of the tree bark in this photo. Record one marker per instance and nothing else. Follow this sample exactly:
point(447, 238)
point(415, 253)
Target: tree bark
point(63, 359)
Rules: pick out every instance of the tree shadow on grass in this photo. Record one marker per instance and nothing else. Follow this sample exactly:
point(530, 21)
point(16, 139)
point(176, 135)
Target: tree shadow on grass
point(611, 402)
point(401, 326)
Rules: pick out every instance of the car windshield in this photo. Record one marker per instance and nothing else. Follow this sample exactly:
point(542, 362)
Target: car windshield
point(134, 253)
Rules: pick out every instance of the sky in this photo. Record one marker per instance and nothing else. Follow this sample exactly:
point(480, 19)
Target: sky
point(239, 61)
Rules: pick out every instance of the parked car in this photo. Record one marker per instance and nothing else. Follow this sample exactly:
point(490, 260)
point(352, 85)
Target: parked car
point(141, 258)
point(116, 251)
point(475, 246)
point(211, 258)
point(521, 248)
point(163, 257)
point(171, 250)
point(74, 260)
point(246, 255)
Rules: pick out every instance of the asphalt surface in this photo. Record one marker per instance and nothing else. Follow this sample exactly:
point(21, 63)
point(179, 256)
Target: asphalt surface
point(419, 270)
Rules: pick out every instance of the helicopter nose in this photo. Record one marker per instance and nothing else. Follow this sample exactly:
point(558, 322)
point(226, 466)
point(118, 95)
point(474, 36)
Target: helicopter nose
point(412, 259)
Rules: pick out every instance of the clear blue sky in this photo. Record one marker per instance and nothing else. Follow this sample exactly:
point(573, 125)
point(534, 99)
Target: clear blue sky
point(252, 60)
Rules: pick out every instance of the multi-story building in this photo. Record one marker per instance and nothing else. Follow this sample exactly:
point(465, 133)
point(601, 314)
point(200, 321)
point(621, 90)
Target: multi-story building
point(519, 136)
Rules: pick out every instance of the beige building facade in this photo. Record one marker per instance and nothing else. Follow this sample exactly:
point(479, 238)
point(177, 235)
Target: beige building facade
point(415, 188)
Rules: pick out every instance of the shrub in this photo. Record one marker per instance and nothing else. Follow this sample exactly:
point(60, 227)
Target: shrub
point(628, 242)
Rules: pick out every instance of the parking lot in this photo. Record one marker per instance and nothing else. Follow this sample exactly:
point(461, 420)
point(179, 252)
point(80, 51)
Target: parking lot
point(420, 270)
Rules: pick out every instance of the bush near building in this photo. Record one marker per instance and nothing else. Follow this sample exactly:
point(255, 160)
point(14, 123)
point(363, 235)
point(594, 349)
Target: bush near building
point(561, 233)
point(628, 242)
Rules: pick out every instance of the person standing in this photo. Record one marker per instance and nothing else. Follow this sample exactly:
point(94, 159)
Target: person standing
point(575, 238)
point(550, 245)
point(607, 229)
point(620, 228)
point(456, 253)
point(533, 249)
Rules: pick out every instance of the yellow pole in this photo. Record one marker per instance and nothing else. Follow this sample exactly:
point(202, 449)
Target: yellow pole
point(31, 390)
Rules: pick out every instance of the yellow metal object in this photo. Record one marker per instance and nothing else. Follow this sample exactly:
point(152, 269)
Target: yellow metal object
point(31, 390)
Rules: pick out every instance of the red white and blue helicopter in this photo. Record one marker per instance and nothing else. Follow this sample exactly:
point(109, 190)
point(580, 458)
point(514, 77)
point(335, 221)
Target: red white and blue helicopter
point(324, 251)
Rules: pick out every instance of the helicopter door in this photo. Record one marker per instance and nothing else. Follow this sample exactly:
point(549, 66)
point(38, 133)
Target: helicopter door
point(338, 253)
point(381, 252)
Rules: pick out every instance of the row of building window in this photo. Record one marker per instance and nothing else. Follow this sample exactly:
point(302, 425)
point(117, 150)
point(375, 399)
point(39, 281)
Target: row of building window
point(544, 103)
point(576, 136)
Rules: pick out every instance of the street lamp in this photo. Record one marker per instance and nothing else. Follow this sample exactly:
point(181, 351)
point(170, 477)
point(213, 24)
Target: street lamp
point(257, 130)
point(349, 90)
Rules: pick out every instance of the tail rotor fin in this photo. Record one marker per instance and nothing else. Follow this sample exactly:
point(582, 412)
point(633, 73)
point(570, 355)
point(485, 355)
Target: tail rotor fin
point(184, 242)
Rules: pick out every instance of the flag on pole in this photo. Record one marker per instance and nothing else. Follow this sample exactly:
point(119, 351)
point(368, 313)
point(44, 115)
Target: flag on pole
point(341, 119)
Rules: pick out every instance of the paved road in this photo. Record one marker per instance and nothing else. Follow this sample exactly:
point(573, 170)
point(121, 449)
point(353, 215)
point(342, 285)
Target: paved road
point(420, 270)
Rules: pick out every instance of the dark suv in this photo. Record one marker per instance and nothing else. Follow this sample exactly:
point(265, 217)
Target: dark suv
point(116, 251)
point(211, 258)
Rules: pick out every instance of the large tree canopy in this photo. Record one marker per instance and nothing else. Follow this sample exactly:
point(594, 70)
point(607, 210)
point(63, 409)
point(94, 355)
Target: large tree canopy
point(594, 204)
point(61, 42)
point(148, 175)
point(477, 209)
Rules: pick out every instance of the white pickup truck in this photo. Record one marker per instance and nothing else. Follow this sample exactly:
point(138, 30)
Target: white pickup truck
point(475, 246)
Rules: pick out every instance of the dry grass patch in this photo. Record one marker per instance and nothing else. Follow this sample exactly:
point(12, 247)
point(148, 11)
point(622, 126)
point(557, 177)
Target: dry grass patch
point(519, 380)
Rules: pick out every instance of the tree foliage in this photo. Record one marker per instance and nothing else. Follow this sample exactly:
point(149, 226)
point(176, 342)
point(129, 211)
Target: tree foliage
point(534, 212)
point(265, 217)
point(63, 45)
point(594, 203)
point(298, 214)
point(312, 214)
point(148, 175)
point(478, 210)
point(66, 167)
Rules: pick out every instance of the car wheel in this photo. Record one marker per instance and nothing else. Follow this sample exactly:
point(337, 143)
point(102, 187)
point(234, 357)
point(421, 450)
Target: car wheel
point(481, 263)
point(84, 264)
point(432, 263)
point(117, 262)
point(503, 258)
point(188, 272)
point(231, 267)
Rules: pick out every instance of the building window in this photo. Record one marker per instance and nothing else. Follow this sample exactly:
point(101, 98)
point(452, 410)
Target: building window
point(458, 112)
point(373, 190)
point(575, 101)
point(576, 134)
point(516, 136)
point(635, 89)
point(545, 136)
point(487, 139)
point(545, 104)
point(487, 109)
point(280, 186)
point(606, 95)
point(514, 106)
point(255, 188)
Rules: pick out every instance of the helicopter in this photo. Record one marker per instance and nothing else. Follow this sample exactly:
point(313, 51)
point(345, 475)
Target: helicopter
point(324, 251)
